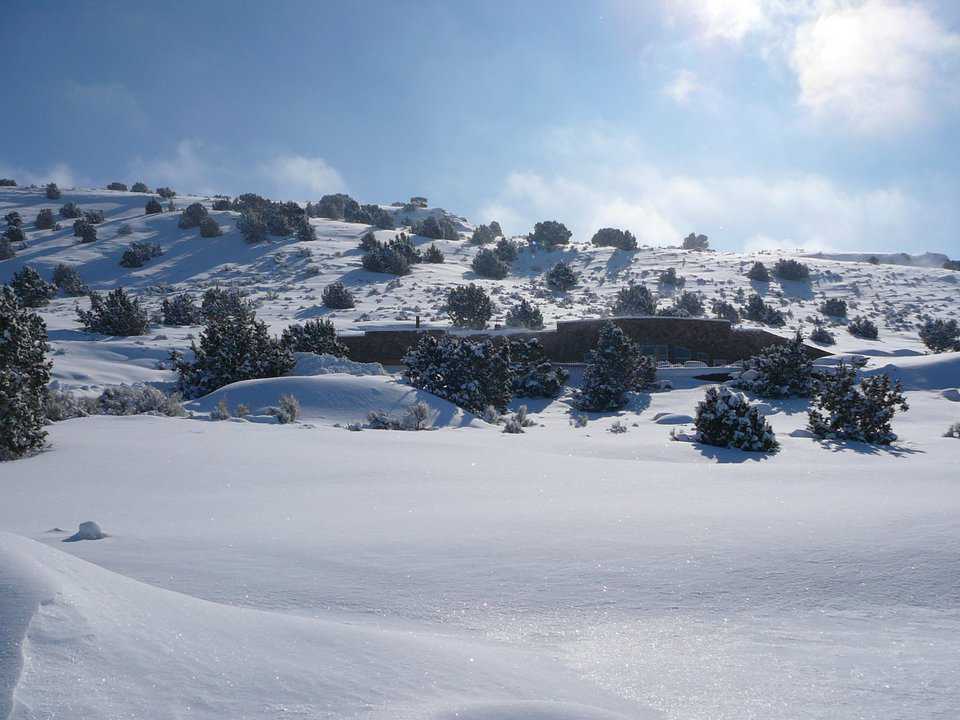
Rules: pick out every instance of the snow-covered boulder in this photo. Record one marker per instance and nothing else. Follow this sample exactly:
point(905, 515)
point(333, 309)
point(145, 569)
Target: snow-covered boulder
point(88, 530)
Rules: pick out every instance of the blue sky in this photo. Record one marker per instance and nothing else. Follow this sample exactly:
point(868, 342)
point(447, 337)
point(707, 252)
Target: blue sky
point(830, 124)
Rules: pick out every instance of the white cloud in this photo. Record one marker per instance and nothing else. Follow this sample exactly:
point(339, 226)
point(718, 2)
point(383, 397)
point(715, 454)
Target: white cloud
point(879, 66)
point(189, 170)
point(874, 65)
point(60, 173)
point(660, 208)
point(683, 85)
point(296, 176)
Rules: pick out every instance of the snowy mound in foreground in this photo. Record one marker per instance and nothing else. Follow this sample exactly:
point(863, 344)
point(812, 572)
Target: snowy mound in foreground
point(923, 372)
point(336, 398)
point(79, 641)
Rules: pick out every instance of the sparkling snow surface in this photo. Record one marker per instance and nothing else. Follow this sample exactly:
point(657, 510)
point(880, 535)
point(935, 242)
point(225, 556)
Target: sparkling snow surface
point(264, 571)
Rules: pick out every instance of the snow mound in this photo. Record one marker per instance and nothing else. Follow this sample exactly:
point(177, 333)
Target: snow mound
point(313, 364)
point(335, 399)
point(88, 530)
point(81, 641)
point(666, 418)
point(529, 711)
point(925, 372)
point(952, 394)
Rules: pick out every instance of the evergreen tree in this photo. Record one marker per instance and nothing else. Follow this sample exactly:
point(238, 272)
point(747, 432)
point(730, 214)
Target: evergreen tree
point(210, 228)
point(780, 371)
point(433, 255)
point(790, 269)
point(634, 300)
point(549, 234)
point(561, 277)
point(53, 192)
point(471, 374)
point(117, 314)
point(24, 375)
point(180, 310)
point(68, 280)
point(940, 335)
point(726, 419)
point(841, 410)
point(153, 207)
point(45, 220)
point(469, 306)
point(696, 242)
point(314, 336)
point(507, 250)
point(862, 327)
point(614, 368)
point(233, 346)
point(835, 307)
point(487, 264)
point(192, 216)
point(533, 375)
point(32, 290)
point(337, 297)
point(759, 272)
point(614, 237)
point(526, 315)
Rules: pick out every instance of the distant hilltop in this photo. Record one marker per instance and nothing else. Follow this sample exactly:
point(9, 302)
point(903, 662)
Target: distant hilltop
point(927, 260)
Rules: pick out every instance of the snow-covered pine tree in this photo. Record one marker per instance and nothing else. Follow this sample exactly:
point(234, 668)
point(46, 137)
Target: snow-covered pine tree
point(614, 368)
point(314, 336)
point(117, 314)
point(561, 277)
point(24, 375)
point(473, 374)
point(533, 375)
point(727, 419)
point(779, 371)
point(233, 346)
point(31, 289)
point(841, 410)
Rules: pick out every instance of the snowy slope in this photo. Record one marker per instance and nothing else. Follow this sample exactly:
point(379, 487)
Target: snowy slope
point(286, 278)
point(261, 570)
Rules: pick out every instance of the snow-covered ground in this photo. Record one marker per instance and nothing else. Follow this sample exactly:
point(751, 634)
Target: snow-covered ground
point(259, 570)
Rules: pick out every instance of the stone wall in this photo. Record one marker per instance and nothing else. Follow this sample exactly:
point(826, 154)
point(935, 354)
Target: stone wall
point(674, 339)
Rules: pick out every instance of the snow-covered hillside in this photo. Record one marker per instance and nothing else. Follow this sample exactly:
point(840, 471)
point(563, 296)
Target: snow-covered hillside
point(286, 278)
point(590, 568)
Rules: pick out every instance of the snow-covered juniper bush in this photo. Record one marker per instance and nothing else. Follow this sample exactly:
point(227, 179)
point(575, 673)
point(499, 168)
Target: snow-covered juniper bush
point(790, 269)
point(153, 207)
point(233, 346)
point(549, 234)
point(670, 277)
point(433, 255)
point(191, 216)
point(336, 297)
point(835, 307)
point(470, 373)
point(561, 277)
point(469, 306)
point(70, 211)
point(634, 300)
point(507, 250)
point(138, 253)
point(436, 228)
point(314, 336)
point(764, 313)
point(842, 410)
point(862, 327)
point(822, 336)
point(725, 311)
point(24, 375)
point(45, 220)
point(117, 314)
point(180, 310)
point(726, 418)
point(210, 228)
point(614, 237)
point(526, 315)
point(614, 368)
point(68, 280)
point(696, 242)
point(759, 272)
point(487, 264)
point(31, 289)
point(532, 373)
point(940, 335)
point(779, 371)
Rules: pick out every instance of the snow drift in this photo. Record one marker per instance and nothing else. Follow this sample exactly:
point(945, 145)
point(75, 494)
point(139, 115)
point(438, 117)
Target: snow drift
point(77, 640)
point(336, 398)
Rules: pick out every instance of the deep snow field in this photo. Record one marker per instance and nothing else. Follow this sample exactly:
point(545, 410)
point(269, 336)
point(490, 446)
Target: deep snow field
point(256, 570)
